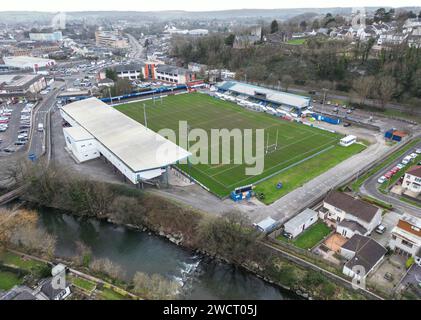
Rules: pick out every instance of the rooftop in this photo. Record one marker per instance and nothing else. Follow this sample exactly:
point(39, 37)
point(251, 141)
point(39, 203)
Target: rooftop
point(140, 148)
point(301, 218)
point(271, 95)
point(367, 251)
point(356, 207)
point(415, 171)
point(78, 133)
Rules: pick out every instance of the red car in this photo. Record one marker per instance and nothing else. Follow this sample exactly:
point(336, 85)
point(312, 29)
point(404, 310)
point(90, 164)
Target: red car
point(4, 121)
point(395, 170)
point(388, 175)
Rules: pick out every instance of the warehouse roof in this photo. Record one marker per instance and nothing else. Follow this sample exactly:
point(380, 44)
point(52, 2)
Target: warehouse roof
point(270, 95)
point(140, 148)
point(78, 133)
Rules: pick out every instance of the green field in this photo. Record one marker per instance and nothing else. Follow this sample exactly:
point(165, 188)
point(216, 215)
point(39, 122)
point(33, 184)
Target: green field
point(296, 41)
point(296, 142)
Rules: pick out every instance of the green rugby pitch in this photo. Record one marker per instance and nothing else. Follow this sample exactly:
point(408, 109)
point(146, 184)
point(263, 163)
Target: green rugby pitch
point(296, 142)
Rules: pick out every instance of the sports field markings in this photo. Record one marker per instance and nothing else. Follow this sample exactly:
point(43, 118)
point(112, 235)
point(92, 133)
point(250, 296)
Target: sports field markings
point(264, 156)
point(271, 168)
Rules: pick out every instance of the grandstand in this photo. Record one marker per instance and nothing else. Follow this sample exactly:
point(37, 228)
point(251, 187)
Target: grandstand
point(266, 100)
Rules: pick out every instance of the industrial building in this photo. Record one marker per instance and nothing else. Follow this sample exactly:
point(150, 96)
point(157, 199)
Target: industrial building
point(111, 39)
point(47, 37)
point(274, 98)
point(21, 84)
point(28, 63)
point(99, 130)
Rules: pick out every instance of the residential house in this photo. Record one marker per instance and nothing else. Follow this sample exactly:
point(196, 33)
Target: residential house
point(406, 237)
point(412, 182)
point(349, 215)
point(363, 254)
point(301, 222)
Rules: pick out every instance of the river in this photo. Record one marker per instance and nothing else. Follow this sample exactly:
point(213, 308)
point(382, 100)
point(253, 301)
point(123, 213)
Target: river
point(202, 278)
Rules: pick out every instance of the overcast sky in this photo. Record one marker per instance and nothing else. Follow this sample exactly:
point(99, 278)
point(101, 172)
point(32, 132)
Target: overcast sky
point(189, 5)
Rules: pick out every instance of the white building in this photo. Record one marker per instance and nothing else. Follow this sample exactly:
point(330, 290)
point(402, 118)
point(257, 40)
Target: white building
point(21, 84)
point(406, 237)
point(348, 140)
point(412, 181)
point(101, 131)
point(349, 215)
point(301, 222)
point(26, 62)
point(111, 39)
point(51, 36)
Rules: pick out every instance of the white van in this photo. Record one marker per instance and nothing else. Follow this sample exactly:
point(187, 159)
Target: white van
point(40, 127)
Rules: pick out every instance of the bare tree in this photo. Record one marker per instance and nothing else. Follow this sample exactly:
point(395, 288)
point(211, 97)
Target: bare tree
point(107, 267)
point(287, 80)
point(363, 87)
point(155, 287)
point(386, 87)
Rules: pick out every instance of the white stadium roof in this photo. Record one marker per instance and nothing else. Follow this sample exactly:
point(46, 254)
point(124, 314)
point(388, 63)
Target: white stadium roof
point(271, 95)
point(140, 148)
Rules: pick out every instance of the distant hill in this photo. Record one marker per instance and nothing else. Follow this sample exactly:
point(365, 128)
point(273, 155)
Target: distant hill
point(282, 14)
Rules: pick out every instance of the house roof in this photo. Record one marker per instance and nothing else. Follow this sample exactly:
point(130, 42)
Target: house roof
point(415, 171)
point(353, 225)
point(367, 252)
point(350, 205)
point(301, 218)
point(128, 67)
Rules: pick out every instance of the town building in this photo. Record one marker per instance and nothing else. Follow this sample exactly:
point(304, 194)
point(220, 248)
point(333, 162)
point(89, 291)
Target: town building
point(28, 63)
point(174, 74)
point(111, 39)
point(99, 130)
point(51, 36)
point(363, 254)
point(348, 215)
point(406, 237)
point(412, 182)
point(21, 84)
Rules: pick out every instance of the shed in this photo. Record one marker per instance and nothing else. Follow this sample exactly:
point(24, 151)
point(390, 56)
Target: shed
point(301, 222)
point(266, 225)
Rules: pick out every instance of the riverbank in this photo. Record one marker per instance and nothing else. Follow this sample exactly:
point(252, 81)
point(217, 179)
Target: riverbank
point(229, 238)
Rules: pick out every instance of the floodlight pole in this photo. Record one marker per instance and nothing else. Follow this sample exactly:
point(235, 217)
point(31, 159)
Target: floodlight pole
point(144, 115)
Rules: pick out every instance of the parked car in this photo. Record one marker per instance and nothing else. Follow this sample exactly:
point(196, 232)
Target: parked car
point(406, 160)
point(380, 229)
point(395, 170)
point(400, 166)
point(382, 180)
point(388, 175)
point(347, 124)
point(287, 235)
point(413, 155)
point(418, 151)
point(349, 111)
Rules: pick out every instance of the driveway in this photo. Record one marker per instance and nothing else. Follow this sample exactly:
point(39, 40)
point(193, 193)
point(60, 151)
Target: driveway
point(390, 220)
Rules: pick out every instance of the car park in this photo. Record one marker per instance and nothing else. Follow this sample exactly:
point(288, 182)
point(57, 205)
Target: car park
point(406, 160)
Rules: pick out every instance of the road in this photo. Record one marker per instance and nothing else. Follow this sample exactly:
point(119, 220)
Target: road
point(36, 146)
point(370, 188)
point(368, 102)
point(136, 48)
